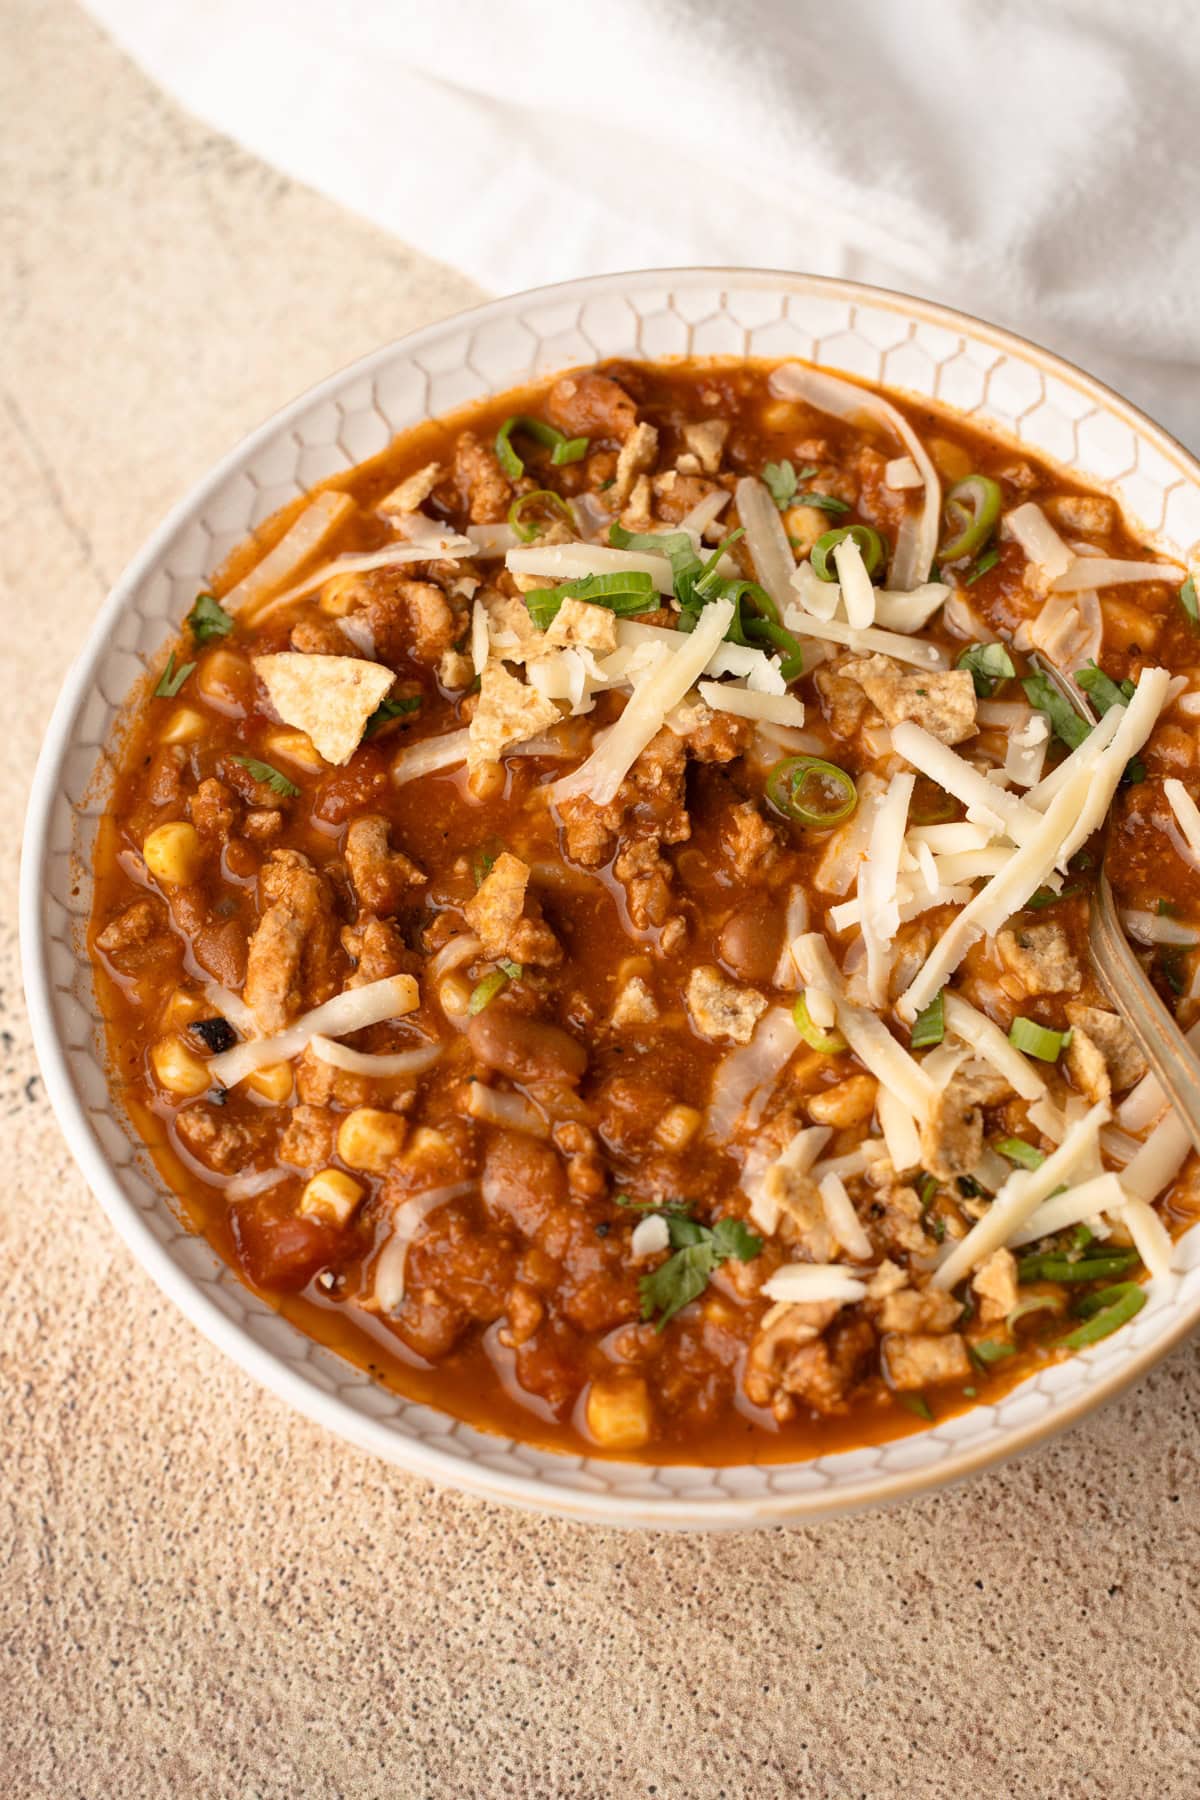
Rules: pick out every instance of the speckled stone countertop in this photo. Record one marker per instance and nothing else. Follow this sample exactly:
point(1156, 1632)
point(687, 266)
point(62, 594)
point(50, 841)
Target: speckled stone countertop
point(203, 1595)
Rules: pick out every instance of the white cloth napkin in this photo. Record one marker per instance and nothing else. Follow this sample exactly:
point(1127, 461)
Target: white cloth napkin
point(1030, 160)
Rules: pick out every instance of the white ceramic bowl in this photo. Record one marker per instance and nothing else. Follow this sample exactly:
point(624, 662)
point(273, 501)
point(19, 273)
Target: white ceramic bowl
point(986, 373)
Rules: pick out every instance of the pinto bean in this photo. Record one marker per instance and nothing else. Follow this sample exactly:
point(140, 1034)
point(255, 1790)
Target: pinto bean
point(752, 938)
point(525, 1049)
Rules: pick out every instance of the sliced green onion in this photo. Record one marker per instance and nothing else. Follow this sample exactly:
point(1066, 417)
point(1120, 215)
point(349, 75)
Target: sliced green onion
point(991, 1350)
point(829, 1043)
point(1033, 1303)
point(1037, 1040)
point(1051, 1266)
point(929, 1026)
point(485, 991)
point(513, 970)
point(562, 448)
point(1188, 600)
point(676, 546)
point(988, 664)
point(1105, 1312)
point(1026, 1156)
point(987, 560)
point(972, 510)
point(811, 792)
point(766, 631)
point(539, 497)
point(869, 542)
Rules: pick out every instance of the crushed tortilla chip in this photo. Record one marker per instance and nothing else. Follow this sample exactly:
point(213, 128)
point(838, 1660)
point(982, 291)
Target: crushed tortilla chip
point(329, 697)
point(412, 492)
point(508, 712)
point(580, 624)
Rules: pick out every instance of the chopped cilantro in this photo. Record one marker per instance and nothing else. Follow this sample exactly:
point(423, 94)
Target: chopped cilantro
point(208, 619)
point(783, 480)
point(172, 679)
point(389, 709)
point(1065, 722)
point(261, 771)
point(1047, 897)
point(988, 664)
point(1102, 690)
point(697, 1251)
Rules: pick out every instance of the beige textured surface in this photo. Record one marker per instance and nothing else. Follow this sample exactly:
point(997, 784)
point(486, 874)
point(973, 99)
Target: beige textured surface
point(203, 1595)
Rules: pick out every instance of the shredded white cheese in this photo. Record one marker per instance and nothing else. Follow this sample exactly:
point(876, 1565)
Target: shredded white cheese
point(775, 709)
point(858, 595)
point(1037, 537)
point(902, 472)
point(803, 1282)
point(390, 998)
point(842, 1219)
point(1107, 571)
point(989, 1042)
point(1020, 1198)
point(653, 698)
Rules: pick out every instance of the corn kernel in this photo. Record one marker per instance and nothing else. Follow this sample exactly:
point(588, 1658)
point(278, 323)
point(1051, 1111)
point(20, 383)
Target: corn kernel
point(780, 415)
point(340, 595)
point(618, 1412)
point(849, 1103)
point(294, 747)
point(273, 1081)
point(173, 853)
point(176, 1069)
point(425, 1146)
point(370, 1139)
point(184, 726)
point(182, 1009)
point(454, 996)
point(677, 1127)
point(225, 680)
point(331, 1195)
point(950, 459)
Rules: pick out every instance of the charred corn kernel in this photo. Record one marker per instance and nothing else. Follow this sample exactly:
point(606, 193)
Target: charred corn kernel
point(331, 1195)
point(225, 679)
point(273, 1082)
point(618, 1412)
point(174, 853)
point(370, 1139)
point(677, 1127)
point(176, 1069)
point(340, 595)
point(294, 747)
point(182, 1008)
point(454, 996)
point(184, 726)
point(486, 782)
point(849, 1103)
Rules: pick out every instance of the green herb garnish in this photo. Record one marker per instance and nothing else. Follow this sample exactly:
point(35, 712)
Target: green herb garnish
point(782, 480)
point(1047, 897)
point(991, 1350)
point(562, 448)
point(208, 620)
point(172, 679)
point(698, 1251)
point(261, 771)
point(929, 1026)
point(1026, 1156)
point(987, 664)
point(625, 593)
point(387, 710)
point(1188, 600)
point(985, 561)
point(917, 1403)
point(1037, 1040)
point(1102, 690)
point(512, 969)
point(1065, 722)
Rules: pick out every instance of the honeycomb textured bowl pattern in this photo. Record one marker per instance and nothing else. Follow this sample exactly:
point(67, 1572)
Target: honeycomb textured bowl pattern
point(986, 374)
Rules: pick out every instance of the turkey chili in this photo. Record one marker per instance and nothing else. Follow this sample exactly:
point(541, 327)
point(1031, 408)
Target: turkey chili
point(591, 918)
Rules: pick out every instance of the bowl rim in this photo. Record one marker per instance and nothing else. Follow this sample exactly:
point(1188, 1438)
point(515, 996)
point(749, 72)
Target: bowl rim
point(541, 1494)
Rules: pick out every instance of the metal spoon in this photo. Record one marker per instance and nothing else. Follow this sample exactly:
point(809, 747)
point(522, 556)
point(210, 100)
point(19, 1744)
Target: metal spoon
point(1120, 973)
